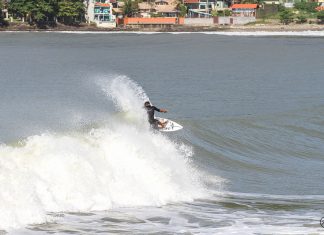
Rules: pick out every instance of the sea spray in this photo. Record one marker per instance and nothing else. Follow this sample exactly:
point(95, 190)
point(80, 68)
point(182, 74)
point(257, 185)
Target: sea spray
point(126, 94)
point(116, 165)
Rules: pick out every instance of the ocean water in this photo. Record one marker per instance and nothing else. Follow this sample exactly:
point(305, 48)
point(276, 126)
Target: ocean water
point(77, 155)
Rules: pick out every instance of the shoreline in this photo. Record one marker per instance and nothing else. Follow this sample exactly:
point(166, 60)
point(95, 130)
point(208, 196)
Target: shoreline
point(175, 29)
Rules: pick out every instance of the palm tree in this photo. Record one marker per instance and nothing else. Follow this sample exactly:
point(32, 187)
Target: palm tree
point(130, 8)
point(181, 7)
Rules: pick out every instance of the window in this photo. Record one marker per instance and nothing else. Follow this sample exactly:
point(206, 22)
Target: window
point(101, 10)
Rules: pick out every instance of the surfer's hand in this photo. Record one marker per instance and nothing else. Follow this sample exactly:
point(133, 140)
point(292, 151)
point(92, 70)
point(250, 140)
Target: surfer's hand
point(164, 110)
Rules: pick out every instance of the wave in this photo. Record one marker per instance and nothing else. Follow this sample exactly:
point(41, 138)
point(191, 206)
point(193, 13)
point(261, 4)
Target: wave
point(306, 33)
point(258, 196)
point(120, 164)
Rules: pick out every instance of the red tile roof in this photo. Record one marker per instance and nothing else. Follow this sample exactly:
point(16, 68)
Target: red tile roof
point(102, 4)
point(244, 6)
point(320, 8)
point(191, 1)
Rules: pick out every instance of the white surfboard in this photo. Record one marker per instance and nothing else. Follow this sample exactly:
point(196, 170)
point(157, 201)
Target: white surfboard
point(170, 125)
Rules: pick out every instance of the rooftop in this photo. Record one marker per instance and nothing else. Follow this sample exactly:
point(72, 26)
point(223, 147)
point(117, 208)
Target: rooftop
point(244, 6)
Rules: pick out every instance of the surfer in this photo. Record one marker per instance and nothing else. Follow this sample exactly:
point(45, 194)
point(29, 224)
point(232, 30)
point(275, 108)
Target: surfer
point(150, 112)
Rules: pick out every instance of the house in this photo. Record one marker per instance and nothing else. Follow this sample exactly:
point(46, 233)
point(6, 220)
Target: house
point(162, 8)
point(100, 12)
point(166, 8)
point(146, 9)
point(244, 9)
point(203, 8)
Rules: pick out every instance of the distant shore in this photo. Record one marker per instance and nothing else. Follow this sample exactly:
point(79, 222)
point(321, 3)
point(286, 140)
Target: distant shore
point(225, 28)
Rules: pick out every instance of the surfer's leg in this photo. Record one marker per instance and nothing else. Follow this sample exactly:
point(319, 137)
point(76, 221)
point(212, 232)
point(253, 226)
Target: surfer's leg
point(156, 124)
point(163, 124)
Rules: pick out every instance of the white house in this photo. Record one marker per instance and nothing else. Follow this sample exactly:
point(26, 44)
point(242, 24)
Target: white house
point(100, 12)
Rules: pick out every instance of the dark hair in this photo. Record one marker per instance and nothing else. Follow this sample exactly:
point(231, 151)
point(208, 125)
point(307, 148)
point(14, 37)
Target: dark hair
point(147, 104)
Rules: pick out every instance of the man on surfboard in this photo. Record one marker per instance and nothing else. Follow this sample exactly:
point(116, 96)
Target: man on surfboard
point(150, 112)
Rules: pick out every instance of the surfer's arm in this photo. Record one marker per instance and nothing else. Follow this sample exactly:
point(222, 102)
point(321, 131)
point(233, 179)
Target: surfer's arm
point(160, 110)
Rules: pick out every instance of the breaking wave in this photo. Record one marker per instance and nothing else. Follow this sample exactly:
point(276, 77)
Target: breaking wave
point(119, 164)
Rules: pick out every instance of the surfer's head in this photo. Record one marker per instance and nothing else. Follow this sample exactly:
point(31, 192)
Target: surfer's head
point(147, 104)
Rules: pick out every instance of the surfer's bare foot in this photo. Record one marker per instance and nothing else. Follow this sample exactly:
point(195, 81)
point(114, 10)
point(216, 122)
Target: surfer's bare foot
point(164, 124)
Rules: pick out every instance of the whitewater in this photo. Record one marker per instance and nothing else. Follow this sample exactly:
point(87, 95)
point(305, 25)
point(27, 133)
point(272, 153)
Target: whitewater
point(121, 164)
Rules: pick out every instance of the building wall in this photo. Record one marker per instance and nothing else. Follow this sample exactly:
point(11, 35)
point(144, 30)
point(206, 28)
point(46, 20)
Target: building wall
point(199, 21)
point(222, 20)
point(152, 21)
point(243, 20)
point(237, 20)
point(106, 24)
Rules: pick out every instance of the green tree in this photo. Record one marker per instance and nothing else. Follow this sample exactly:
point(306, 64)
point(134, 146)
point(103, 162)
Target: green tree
point(227, 12)
point(21, 8)
point(306, 6)
point(71, 12)
point(46, 12)
point(286, 16)
point(320, 16)
point(214, 13)
point(130, 8)
point(182, 9)
point(301, 19)
point(41, 12)
point(35, 11)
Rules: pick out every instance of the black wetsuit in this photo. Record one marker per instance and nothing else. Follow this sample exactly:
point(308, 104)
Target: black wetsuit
point(150, 112)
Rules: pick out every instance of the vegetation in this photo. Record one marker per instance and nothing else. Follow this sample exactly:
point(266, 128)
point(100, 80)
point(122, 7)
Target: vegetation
point(182, 10)
point(301, 19)
point(130, 8)
point(308, 7)
point(286, 16)
point(71, 12)
point(214, 13)
point(154, 14)
point(224, 13)
point(3, 22)
point(253, 1)
point(47, 12)
point(320, 16)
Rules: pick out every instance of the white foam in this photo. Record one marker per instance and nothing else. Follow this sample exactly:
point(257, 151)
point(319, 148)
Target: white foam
point(305, 33)
point(117, 165)
point(267, 33)
point(273, 196)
